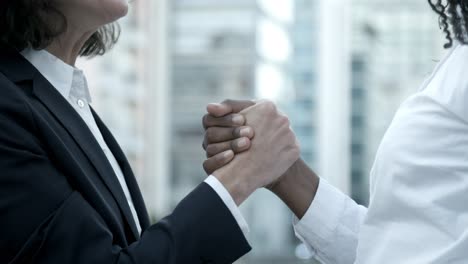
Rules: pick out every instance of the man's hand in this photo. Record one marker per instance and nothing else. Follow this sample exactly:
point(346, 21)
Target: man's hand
point(273, 151)
point(225, 133)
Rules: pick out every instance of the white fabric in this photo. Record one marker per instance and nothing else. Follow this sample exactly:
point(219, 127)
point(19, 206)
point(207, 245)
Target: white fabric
point(229, 202)
point(418, 209)
point(330, 228)
point(72, 85)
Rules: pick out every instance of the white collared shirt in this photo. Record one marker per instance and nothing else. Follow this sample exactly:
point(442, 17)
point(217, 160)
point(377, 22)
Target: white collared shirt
point(71, 84)
point(418, 209)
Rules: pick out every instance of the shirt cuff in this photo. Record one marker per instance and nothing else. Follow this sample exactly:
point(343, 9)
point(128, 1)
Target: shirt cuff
point(218, 187)
point(318, 226)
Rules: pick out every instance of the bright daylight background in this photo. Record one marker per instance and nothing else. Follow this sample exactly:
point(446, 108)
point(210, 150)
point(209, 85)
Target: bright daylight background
point(338, 68)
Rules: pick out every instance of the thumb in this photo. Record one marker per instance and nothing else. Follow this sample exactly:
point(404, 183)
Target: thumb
point(218, 110)
point(228, 107)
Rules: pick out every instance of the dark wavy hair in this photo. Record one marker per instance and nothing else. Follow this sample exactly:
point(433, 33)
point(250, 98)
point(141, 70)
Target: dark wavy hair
point(27, 23)
point(453, 19)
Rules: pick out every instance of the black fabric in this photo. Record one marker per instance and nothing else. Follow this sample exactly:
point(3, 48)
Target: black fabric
point(61, 202)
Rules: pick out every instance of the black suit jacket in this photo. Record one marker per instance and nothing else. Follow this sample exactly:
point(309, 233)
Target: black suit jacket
point(61, 203)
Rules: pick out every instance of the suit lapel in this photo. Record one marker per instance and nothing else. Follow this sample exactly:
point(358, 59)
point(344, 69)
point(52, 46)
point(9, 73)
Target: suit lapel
point(18, 69)
point(78, 129)
point(127, 171)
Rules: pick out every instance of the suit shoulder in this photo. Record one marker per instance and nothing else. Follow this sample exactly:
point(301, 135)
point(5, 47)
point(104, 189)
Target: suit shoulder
point(12, 98)
point(15, 114)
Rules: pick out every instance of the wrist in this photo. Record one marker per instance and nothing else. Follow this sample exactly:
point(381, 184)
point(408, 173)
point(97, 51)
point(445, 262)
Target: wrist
point(236, 183)
point(287, 181)
point(297, 188)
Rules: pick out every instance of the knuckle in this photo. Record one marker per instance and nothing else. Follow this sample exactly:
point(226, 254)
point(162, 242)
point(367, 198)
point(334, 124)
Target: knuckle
point(211, 150)
point(206, 166)
point(284, 120)
point(293, 150)
point(206, 121)
point(270, 106)
point(296, 146)
point(235, 132)
point(295, 153)
point(267, 106)
point(227, 101)
point(292, 138)
point(210, 134)
point(296, 149)
point(289, 140)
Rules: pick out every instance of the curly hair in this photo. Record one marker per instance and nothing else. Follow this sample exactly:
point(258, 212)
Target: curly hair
point(26, 24)
point(453, 19)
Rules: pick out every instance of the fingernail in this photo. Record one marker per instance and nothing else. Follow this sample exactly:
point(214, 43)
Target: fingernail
point(242, 143)
point(228, 154)
point(215, 104)
point(238, 120)
point(245, 132)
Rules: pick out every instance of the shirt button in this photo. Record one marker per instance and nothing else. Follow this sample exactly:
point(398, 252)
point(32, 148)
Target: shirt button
point(81, 104)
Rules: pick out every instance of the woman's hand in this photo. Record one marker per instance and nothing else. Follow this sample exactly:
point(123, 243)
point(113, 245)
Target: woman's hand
point(296, 187)
point(273, 150)
point(225, 133)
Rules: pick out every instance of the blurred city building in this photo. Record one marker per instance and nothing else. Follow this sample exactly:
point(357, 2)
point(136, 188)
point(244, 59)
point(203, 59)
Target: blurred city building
point(212, 58)
point(396, 44)
point(334, 92)
point(304, 64)
point(229, 49)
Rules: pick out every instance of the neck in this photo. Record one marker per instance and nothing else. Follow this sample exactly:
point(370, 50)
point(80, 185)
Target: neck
point(67, 46)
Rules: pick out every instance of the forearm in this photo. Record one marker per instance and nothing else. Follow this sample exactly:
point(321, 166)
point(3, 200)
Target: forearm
point(200, 230)
point(297, 188)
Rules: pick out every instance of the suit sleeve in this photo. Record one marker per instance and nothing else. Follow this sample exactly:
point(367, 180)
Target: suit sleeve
point(44, 220)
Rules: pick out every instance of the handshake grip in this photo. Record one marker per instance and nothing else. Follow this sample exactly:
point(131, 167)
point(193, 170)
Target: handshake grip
point(249, 145)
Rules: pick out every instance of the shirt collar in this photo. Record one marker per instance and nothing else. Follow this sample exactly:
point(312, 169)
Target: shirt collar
point(60, 74)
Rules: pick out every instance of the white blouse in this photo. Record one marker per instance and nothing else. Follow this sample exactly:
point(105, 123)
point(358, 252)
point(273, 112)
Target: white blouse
point(418, 209)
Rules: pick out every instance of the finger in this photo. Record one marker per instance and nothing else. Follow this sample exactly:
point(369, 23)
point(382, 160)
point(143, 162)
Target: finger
point(214, 163)
point(221, 134)
point(225, 121)
point(228, 106)
point(237, 145)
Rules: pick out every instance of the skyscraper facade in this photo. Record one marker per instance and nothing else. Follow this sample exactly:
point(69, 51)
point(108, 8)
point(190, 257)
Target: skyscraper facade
point(395, 46)
point(303, 109)
point(219, 50)
point(212, 58)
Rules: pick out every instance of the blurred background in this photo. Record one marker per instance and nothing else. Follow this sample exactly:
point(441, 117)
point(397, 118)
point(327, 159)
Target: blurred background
point(338, 68)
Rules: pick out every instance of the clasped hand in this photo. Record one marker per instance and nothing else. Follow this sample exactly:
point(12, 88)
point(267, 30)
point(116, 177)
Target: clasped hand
point(249, 145)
